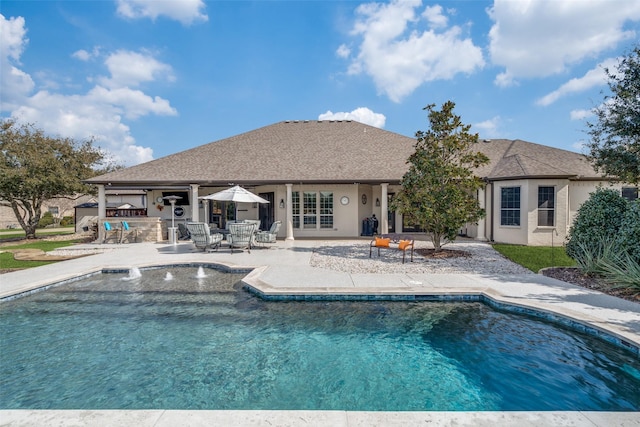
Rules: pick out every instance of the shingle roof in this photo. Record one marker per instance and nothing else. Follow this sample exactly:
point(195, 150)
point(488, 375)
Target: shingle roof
point(518, 159)
point(329, 152)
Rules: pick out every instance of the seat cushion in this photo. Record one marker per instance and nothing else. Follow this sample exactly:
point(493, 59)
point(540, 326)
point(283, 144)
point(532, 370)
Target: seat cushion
point(404, 244)
point(382, 242)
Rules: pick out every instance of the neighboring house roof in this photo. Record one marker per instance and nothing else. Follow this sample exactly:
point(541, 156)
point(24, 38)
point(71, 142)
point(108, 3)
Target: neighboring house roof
point(330, 152)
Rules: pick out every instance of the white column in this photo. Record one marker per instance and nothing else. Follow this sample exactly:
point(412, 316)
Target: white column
point(289, 212)
point(102, 211)
point(384, 209)
point(195, 210)
point(482, 234)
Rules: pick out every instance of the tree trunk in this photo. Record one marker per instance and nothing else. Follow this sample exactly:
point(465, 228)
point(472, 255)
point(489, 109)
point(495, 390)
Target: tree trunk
point(437, 241)
point(27, 217)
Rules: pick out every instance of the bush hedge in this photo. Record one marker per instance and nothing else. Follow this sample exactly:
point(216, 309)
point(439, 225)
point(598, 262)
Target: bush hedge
point(599, 220)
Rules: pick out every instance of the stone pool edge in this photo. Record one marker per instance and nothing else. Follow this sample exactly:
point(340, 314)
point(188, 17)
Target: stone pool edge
point(170, 418)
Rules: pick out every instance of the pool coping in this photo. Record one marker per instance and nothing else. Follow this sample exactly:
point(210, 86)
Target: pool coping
point(172, 418)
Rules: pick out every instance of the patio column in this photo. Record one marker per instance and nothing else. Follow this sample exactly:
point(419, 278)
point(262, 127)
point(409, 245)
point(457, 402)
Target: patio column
point(195, 210)
point(384, 209)
point(102, 211)
point(481, 223)
point(289, 212)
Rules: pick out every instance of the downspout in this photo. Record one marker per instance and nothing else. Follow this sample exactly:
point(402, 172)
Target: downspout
point(493, 213)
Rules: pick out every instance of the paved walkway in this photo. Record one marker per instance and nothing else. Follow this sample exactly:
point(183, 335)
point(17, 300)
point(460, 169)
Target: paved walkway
point(285, 270)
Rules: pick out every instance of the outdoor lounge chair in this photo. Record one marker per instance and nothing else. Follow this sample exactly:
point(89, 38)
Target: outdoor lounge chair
point(241, 235)
point(183, 233)
point(202, 237)
point(263, 237)
point(112, 232)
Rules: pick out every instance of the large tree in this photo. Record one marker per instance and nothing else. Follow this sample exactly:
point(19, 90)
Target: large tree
point(439, 189)
point(615, 134)
point(35, 167)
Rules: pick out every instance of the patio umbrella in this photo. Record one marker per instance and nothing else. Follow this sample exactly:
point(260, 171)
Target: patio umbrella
point(235, 194)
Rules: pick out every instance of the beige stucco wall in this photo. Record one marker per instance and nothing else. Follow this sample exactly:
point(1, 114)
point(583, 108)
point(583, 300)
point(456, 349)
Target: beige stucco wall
point(511, 234)
point(569, 196)
point(547, 235)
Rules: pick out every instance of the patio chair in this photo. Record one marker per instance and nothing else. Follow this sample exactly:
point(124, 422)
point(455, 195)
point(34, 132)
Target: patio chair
point(130, 231)
point(263, 237)
point(253, 221)
point(111, 232)
point(202, 237)
point(183, 233)
point(241, 235)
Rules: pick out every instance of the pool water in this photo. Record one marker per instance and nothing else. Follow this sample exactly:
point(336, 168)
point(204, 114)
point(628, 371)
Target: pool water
point(171, 340)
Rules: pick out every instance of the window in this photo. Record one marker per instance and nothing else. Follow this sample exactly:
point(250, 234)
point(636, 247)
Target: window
point(54, 210)
point(510, 206)
point(309, 209)
point(295, 207)
point(326, 209)
point(546, 206)
point(316, 208)
point(630, 193)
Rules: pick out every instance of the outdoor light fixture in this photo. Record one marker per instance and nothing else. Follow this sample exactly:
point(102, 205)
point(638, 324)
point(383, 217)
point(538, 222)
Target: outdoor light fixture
point(364, 199)
point(281, 203)
point(377, 202)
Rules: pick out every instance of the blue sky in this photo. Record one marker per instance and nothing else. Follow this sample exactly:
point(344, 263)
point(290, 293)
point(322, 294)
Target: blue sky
point(148, 78)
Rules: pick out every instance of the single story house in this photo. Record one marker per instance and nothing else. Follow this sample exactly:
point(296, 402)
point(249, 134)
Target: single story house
point(323, 178)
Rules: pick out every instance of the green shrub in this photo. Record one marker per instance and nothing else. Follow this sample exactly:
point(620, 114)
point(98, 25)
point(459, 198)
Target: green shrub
point(46, 219)
point(628, 237)
point(621, 271)
point(591, 258)
point(67, 220)
point(599, 220)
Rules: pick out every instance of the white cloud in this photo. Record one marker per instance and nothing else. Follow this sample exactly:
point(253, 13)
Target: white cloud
point(343, 51)
point(538, 38)
point(12, 37)
point(132, 68)
point(362, 115)
point(488, 128)
point(184, 11)
point(593, 77)
point(400, 59)
point(98, 113)
point(435, 16)
point(84, 55)
point(15, 84)
point(580, 114)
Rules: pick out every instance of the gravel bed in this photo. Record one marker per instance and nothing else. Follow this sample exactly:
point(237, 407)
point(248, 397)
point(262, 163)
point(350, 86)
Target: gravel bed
point(353, 257)
point(78, 252)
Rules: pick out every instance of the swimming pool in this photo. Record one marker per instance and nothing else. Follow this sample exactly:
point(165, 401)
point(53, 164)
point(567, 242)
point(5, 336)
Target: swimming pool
point(171, 340)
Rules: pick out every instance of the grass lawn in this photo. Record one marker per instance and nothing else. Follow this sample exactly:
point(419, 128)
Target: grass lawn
point(8, 262)
point(536, 257)
point(8, 234)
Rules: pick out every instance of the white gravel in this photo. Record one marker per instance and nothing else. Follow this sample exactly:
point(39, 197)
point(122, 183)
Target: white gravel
point(78, 252)
point(353, 257)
